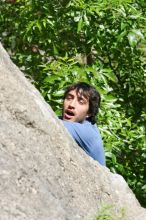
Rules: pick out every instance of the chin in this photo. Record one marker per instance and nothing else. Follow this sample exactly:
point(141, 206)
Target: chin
point(67, 119)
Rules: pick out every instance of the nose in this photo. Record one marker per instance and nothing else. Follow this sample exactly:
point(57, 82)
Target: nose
point(72, 103)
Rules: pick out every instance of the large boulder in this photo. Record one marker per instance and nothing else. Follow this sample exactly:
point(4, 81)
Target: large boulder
point(43, 173)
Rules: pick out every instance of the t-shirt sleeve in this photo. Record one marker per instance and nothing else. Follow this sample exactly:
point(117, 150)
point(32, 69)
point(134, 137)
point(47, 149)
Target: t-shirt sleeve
point(88, 138)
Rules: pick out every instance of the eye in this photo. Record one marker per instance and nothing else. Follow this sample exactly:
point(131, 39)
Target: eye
point(82, 101)
point(69, 97)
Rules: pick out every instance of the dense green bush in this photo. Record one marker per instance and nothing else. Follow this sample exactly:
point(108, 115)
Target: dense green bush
point(101, 42)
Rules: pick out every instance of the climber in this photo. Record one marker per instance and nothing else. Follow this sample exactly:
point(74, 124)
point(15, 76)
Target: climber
point(80, 107)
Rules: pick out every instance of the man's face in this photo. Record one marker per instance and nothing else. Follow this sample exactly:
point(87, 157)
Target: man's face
point(75, 107)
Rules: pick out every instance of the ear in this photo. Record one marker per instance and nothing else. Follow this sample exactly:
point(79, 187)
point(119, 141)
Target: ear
point(88, 115)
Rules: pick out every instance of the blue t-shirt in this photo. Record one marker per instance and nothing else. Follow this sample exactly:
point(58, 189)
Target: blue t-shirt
point(88, 138)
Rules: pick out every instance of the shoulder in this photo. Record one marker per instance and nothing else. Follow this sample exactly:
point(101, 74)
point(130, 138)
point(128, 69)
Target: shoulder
point(84, 125)
point(88, 138)
point(82, 128)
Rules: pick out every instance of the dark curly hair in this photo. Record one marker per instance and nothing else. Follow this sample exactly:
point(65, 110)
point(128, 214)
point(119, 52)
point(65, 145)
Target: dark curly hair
point(88, 92)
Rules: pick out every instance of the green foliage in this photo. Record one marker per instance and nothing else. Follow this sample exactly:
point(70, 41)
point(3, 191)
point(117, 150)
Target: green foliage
point(57, 43)
point(104, 217)
point(104, 214)
point(107, 213)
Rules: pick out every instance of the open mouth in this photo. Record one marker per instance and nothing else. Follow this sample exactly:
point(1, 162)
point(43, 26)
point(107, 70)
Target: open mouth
point(68, 114)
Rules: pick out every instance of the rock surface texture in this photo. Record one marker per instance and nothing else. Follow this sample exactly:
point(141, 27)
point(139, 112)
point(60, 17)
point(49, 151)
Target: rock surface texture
point(43, 174)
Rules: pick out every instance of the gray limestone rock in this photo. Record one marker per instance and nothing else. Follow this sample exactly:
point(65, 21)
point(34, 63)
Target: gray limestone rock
point(43, 173)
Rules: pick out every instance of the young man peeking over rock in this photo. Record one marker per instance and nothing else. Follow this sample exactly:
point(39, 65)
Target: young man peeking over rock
point(80, 107)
